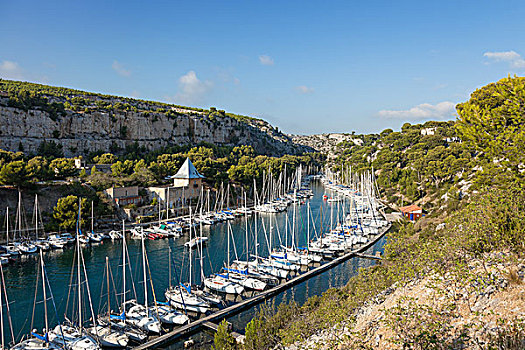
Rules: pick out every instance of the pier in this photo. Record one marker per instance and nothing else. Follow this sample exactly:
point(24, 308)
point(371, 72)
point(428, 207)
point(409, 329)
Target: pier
point(211, 320)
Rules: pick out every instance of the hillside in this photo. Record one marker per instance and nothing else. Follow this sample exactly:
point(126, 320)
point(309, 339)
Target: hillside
point(455, 279)
point(84, 122)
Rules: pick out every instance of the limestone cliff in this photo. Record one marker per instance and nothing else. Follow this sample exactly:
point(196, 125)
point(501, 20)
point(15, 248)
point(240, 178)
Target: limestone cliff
point(92, 125)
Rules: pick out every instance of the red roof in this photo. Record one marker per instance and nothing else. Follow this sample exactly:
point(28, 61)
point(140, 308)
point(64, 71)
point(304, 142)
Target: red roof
point(410, 208)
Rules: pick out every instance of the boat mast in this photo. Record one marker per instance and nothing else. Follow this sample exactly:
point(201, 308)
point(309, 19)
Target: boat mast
point(78, 271)
point(45, 296)
point(92, 216)
point(246, 224)
point(123, 267)
point(294, 238)
point(19, 213)
point(256, 249)
point(2, 319)
point(169, 266)
point(190, 248)
point(228, 250)
point(35, 214)
point(7, 226)
point(159, 210)
point(8, 312)
point(144, 275)
point(168, 204)
point(107, 282)
point(308, 225)
point(201, 248)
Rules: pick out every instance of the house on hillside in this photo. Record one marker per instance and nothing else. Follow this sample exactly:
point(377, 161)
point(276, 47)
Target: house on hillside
point(428, 131)
point(412, 212)
point(124, 195)
point(187, 185)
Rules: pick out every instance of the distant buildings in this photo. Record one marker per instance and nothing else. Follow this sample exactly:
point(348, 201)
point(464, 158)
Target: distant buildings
point(412, 212)
point(428, 131)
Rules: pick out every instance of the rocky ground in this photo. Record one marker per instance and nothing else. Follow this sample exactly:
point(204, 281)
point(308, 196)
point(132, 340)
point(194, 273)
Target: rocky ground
point(486, 307)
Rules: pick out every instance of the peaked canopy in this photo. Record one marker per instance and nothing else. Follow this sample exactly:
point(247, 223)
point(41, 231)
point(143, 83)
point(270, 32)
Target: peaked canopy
point(187, 171)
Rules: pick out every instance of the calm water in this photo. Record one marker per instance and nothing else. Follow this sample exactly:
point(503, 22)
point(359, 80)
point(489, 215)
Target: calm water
point(21, 276)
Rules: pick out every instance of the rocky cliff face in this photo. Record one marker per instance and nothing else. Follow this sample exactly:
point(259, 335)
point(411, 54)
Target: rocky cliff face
point(82, 132)
point(325, 143)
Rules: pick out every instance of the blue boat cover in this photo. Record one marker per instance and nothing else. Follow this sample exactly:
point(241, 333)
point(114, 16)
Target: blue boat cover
point(121, 317)
point(44, 338)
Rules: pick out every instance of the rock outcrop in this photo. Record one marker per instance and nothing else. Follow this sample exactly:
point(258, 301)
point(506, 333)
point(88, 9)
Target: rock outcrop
point(325, 143)
point(80, 133)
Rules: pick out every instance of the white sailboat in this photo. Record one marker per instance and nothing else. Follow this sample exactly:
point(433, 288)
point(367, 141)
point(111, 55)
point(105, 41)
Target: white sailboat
point(66, 334)
point(222, 282)
point(139, 315)
point(35, 341)
point(182, 296)
point(102, 331)
point(119, 322)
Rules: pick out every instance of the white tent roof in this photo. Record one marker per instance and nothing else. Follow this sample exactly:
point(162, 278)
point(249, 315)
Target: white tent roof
point(187, 171)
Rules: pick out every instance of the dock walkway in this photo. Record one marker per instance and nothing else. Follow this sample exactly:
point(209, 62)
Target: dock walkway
point(240, 306)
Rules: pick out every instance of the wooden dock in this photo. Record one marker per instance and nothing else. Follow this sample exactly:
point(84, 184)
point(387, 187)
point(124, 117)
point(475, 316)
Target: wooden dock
point(210, 320)
point(368, 256)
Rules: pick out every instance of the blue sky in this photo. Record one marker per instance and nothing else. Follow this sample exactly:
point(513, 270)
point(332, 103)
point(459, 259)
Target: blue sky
point(305, 66)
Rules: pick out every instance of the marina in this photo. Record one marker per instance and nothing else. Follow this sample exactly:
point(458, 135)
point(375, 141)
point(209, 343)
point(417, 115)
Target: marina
point(236, 308)
point(290, 230)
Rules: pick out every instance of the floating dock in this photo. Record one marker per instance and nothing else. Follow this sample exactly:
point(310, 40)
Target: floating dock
point(216, 317)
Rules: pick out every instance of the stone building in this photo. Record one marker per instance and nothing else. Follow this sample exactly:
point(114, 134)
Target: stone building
point(187, 185)
point(124, 195)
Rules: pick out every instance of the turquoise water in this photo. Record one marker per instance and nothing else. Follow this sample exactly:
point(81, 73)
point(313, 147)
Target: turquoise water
point(21, 276)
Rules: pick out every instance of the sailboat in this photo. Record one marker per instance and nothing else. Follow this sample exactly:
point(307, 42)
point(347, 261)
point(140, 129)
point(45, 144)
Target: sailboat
point(40, 243)
point(242, 277)
point(222, 282)
point(35, 341)
point(118, 322)
point(183, 296)
point(243, 268)
point(67, 334)
point(25, 247)
point(102, 331)
point(259, 265)
point(10, 249)
point(137, 314)
point(94, 237)
point(165, 313)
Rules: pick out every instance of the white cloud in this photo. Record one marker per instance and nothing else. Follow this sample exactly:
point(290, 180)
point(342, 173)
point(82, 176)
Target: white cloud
point(120, 69)
point(266, 60)
point(303, 89)
point(440, 111)
point(512, 57)
point(11, 70)
point(192, 89)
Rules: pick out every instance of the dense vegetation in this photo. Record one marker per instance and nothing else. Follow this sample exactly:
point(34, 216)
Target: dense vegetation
point(454, 254)
point(220, 165)
point(410, 164)
point(56, 100)
point(424, 162)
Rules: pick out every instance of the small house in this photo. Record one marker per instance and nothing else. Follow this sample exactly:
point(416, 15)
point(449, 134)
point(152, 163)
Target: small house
point(412, 212)
point(124, 195)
